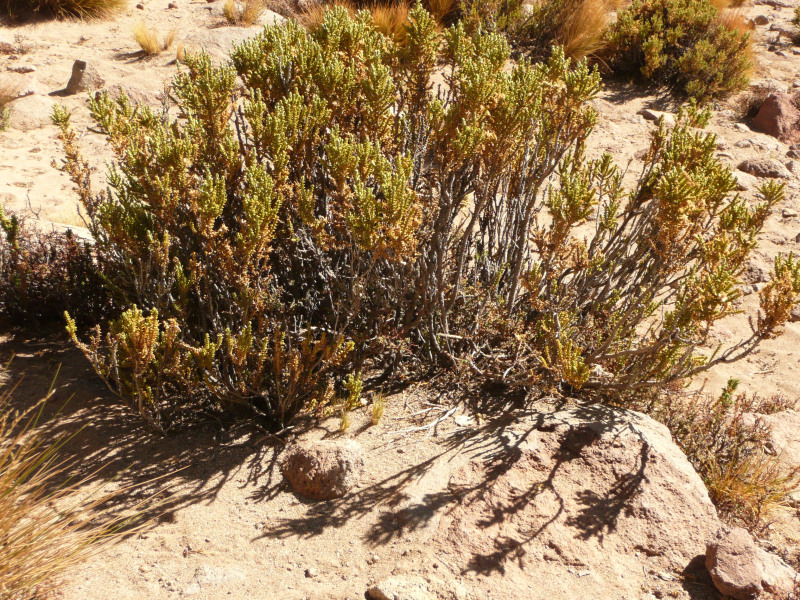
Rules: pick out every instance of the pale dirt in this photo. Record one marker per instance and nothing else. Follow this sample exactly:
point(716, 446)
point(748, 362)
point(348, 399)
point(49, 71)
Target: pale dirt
point(230, 528)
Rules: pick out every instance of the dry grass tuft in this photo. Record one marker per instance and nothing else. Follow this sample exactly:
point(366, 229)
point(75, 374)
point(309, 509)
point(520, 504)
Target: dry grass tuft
point(60, 9)
point(244, 13)
point(45, 528)
point(577, 25)
point(389, 18)
point(148, 40)
point(582, 31)
point(8, 93)
point(728, 449)
point(378, 408)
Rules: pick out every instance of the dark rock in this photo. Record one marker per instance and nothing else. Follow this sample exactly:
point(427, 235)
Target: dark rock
point(84, 78)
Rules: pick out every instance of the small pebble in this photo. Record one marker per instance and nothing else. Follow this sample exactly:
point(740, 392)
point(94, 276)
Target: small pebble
point(172, 5)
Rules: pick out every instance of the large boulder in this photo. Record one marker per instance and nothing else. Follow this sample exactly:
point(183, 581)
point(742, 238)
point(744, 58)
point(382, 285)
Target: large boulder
point(585, 498)
point(323, 470)
point(779, 117)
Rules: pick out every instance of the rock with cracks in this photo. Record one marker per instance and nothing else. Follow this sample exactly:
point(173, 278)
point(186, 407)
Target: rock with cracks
point(323, 470)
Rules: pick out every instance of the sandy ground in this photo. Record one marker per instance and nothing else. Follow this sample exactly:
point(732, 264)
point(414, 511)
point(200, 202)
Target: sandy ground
point(228, 527)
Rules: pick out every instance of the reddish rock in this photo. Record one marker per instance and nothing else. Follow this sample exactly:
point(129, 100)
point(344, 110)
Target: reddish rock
point(732, 560)
point(779, 117)
point(743, 571)
point(323, 470)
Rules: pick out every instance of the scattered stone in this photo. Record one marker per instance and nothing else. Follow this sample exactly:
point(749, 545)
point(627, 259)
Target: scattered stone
point(311, 572)
point(401, 588)
point(741, 127)
point(764, 167)
point(655, 115)
point(323, 470)
point(754, 273)
point(746, 182)
point(84, 78)
point(779, 117)
point(761, 20)
point(140, 6)
point(794, 151)
point(788, 213)
point(172, 5)
point(732, 561)
point(794, 315)
point(742, 570)
point(22, 69)
point(135, 95)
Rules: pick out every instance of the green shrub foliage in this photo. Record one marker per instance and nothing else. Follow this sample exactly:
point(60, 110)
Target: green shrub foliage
point(682, 44)
point(341, 209)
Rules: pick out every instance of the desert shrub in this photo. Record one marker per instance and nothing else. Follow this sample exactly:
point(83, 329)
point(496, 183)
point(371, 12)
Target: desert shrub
point(683, 44)
point(339, 213)
point(83, 9)
point(725, 439)
point(43, 274)
point(46, 527)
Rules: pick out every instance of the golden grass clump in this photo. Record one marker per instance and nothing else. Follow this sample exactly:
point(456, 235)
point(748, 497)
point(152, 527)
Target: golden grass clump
point(390, 18)
point(148, 40)
point(726, 443)
point(45, 527)
point(582, 30)
point(246, 12)
point(378, 408)
point(60, 9)
point(8, 93)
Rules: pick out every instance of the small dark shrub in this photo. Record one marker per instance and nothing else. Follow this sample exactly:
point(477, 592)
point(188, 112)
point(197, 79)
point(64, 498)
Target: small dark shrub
point(43, 274)
point(338, 213)
point(683, 44)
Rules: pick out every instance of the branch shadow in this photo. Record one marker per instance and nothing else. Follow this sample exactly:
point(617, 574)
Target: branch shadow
point(107, 443)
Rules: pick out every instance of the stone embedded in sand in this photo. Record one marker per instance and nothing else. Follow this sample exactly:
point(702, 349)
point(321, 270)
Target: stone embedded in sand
point(401, 588)
point(655, 115)
point(323, 470)
point(732, 560)
point(30, 112)
point(84, 78)
point(742, 570)
point(765, 167)
point(779, 117)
